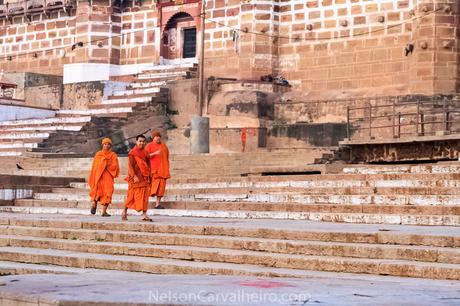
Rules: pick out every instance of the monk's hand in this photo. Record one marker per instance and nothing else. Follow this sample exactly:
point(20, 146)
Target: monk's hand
point(155, 153)
point(136, 179)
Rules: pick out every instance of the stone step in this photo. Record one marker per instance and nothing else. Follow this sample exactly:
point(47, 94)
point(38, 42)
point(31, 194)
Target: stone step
point(365, 218)
point(263, 207)
point(95, 112)
point(29, 248)
point(45, 121)
point(17, 145)
point(312, 248)
point(161, 75)
point(140, 264)
point(169, 68)
point(16, 268)
point(436, 236)
point(22, 136)
point(129, 92)
point(148, 79)
point(122, 188)
point(284, 197)
point(44, 128)
point(418, 210)
point(11, 153)
point(122, 99)
point(21, 141)
point(286, 186)
point(390, 169)
point(145, 85)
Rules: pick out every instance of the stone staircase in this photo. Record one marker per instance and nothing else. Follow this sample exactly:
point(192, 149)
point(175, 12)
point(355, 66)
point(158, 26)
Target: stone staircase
point(142, 98)
point(400, 220)
point(426, 196)
point(228, 247)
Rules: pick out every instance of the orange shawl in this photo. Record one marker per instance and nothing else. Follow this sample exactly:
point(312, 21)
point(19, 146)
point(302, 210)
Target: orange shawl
point(159, 164)
point(103, 161)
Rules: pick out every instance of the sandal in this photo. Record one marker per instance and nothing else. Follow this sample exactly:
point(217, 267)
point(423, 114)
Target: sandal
point(107, 215)
point(124, 216)
point(159, 207)
point(147, 219)
point(93, 208)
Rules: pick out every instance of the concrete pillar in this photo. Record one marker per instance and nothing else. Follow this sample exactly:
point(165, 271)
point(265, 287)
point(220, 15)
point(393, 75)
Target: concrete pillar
point(199, 135)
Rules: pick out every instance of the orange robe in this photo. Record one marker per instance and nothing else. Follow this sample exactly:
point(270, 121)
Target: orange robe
point(159, 168)
point(105, 168)
point(138, 192)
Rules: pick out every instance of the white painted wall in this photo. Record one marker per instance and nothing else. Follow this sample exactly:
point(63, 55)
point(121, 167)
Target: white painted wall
point(87, 72)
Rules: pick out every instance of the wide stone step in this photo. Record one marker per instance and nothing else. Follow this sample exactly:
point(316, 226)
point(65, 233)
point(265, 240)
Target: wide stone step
point(314, 248)
point(140, 264)
point(53, 249)
point(432, 168)
point(436, 236)
point(274, 187)
point(262, 207)
point(365, 218)
point(15, 268)
point(283, 197)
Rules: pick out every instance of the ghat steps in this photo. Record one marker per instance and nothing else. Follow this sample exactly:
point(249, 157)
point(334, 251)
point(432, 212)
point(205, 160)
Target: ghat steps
point(239, 247)
point(426, 195)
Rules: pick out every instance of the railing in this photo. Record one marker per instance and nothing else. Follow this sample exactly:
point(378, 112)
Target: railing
point(33, 6)
point(415, 118)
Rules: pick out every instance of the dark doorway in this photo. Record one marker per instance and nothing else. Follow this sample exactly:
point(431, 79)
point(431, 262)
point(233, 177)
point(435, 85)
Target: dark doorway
point(189, 43)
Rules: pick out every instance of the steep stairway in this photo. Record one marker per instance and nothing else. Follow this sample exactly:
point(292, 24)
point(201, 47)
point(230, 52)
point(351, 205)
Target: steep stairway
point(143, 99)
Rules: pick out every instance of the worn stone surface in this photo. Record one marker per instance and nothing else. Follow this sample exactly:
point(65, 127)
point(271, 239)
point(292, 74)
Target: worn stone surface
point(125, 288)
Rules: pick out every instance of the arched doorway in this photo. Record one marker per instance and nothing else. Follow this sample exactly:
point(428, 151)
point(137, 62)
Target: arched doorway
point(179, 37)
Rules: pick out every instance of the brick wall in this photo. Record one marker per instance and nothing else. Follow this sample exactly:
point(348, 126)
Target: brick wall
point(240, 53)
point(139, 46)
point(37, 37)
point(328, 49)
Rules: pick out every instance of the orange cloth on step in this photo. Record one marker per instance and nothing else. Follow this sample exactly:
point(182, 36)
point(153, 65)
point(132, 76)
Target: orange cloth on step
point(159, 168)
point(105, 168)
point(138, 191)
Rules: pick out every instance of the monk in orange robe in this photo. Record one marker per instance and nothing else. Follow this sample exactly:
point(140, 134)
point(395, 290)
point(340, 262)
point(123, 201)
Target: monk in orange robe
point(105, 168)
point(138, 180)
point(159, 167)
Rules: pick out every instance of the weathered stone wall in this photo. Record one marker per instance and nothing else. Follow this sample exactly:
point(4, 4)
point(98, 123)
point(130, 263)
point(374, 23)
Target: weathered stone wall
point(39, 90)
point(81, 95)
point(228, 140)
point(306, 135)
